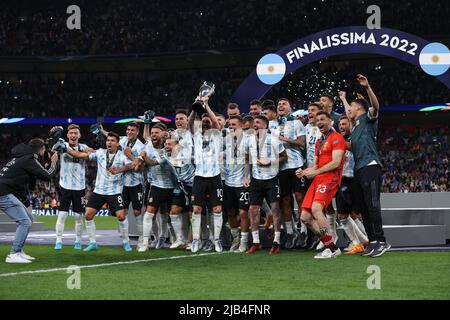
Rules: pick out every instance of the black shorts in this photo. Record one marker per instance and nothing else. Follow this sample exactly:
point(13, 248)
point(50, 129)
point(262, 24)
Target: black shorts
point(346, 201)
point(235, 197)
point(264, 189)
point(114, 202)
point(159, 196)
point(290, 183)
point(75, 197)
point(133, 195)
point(182, 199)
point(207, 191)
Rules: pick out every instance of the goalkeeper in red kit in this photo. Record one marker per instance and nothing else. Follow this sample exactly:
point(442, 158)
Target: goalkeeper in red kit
point(327, 175)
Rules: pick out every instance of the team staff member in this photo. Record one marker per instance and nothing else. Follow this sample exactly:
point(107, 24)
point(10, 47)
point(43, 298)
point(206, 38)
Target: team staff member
point(15, 178)
point(368, 173)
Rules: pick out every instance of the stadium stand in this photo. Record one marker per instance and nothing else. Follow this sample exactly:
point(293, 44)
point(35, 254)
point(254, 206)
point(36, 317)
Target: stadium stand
point(124, 27)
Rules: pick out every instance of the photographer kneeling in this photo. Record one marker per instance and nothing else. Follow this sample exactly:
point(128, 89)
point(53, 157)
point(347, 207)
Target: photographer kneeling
point(15, 178)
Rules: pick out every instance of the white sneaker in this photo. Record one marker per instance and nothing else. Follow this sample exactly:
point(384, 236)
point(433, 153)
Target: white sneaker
point(243, 247)
point(26, 256)
point(140, 241)
point(195, 246)
point(327, 254)
point(235, 245)
point(178, 244)
point(218, 245)
point(142, 248)
point(16, 258)
point(188, 246)
point(320, 246)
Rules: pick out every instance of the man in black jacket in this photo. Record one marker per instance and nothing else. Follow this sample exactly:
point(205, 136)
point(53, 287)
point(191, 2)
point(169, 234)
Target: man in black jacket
point(15, 178)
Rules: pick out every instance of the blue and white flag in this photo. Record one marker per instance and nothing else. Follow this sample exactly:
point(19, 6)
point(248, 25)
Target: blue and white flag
point(435, 59)
point(271, 69)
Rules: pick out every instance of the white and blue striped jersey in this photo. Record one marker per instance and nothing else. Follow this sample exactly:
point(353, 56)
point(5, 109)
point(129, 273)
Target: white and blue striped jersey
point(268, 148)
point(273, 124)
point(185, 171)
point(233, 158)
point(207, 150)
point(349, 164)
point(312, 135)
point(72, 175)
point(105, 182)
point(161, 175)
point(184, 139)
point(132, 178)
point(292, 129)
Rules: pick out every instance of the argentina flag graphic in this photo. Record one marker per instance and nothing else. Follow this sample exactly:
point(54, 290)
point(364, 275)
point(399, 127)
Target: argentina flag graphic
point(271, 69)
point(434, 59)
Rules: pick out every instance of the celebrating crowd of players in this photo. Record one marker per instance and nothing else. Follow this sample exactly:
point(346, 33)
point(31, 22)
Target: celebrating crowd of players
point(210, 167)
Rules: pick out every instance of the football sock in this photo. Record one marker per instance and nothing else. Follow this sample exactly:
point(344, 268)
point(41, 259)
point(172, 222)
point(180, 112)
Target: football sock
point(62, 216)
point(234, 232)
point(362, 237)
point(164, 225)
point(196, 224)
point(349, 229)
point(78, 226)
point(277, 237)
point(90, 228)
point(327, 240)
point(218, 221)
point(361, 228)
point(177, 221)
point(123, 227)
point(331, 218)
point(139, 225)
point(244, 237)
point(147, 226)
point(289, 229)
point(255, 236)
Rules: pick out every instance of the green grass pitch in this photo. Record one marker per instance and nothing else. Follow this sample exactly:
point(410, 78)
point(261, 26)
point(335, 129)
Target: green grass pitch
point(289, 275)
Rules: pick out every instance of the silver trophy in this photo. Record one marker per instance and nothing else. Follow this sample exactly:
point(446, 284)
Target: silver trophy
point(206, 90)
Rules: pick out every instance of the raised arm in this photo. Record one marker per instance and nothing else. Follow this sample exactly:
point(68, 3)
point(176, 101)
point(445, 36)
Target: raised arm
point(212, 116)
point(375, 106)
point(78, 154)
point(128, 167)
point(343, 97)
point(35, 168)
point(104, 132)
point(191, 120)
point(146, 133)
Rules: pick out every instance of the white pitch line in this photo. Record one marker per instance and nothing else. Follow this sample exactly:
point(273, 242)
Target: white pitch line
point(108, 264)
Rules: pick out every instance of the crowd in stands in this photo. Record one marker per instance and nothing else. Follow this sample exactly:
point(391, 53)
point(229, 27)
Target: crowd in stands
point(140, 26)
point(415, 159)
point(131, 94)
